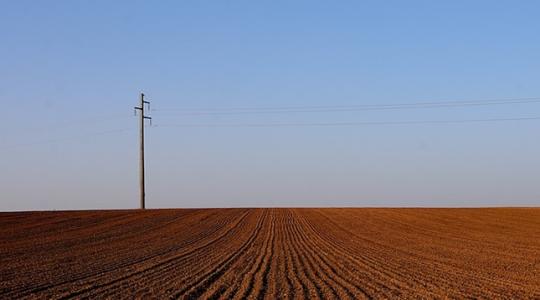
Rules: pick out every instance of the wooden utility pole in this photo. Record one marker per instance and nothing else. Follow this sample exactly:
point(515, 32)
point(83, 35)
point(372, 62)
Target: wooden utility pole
point(142, 117)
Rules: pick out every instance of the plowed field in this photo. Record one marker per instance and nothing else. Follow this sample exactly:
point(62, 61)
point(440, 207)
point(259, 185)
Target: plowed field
point(272, 253)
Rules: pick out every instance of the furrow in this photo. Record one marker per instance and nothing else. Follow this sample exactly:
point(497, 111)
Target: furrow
point(328, 284)
point(315, 288)
point(366, 270)
point(346, 288)
point(241, 272)
point(169, 272)
point(196, 289)
point(247, 281)
point(261, 286)
point(294, 283)
point(155, 268)
point(82, 276)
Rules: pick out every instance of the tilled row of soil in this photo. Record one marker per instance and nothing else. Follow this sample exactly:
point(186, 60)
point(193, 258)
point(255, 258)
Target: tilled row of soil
point(272, 253)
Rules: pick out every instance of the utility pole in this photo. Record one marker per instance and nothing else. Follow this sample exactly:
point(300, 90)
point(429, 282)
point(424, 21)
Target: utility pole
point(142, 117)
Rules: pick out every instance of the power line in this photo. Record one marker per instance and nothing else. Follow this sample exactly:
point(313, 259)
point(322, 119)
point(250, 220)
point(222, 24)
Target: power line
point(54, 141)
point(63, 124)
point(338, 124)
point(346, 108)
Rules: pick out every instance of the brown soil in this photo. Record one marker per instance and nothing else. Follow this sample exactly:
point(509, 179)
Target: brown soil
point(272, 253)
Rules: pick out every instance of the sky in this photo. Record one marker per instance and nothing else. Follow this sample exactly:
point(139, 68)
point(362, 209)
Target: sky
point(71, 73)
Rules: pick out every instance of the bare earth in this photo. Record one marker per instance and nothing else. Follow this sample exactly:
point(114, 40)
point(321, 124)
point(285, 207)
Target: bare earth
point(272, 253)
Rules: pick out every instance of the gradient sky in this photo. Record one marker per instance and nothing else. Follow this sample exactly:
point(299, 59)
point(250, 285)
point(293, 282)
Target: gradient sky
point(71, 71)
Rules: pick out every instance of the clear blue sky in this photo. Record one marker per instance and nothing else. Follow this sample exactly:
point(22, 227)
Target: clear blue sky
point(70, 70)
